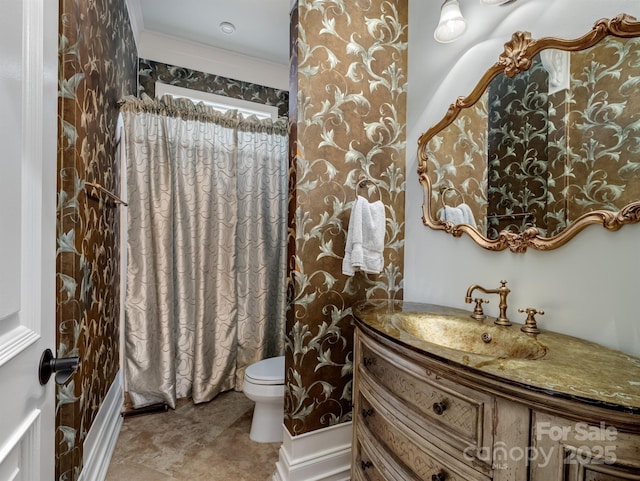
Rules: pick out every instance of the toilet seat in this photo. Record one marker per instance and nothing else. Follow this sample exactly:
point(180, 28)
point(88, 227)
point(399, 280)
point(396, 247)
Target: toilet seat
point(267, 371)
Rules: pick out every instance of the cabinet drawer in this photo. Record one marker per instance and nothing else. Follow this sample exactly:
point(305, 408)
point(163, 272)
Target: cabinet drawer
point(382, 466)
point(420, 457)
point(458, 415)
point(581, 451)
point(366, 465)
point(586, 471)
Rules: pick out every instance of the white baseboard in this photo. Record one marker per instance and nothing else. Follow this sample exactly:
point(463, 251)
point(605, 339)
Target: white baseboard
point(321, 455)
point(103, 434)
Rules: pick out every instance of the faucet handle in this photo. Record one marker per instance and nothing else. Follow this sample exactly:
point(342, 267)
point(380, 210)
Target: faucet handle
point(531, 325)
point(478, 313)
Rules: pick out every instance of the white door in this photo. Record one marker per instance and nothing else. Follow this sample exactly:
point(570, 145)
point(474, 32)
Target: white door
point(28, 123)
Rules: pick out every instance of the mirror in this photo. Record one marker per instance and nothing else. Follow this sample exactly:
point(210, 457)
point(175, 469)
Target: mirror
point(547, 143)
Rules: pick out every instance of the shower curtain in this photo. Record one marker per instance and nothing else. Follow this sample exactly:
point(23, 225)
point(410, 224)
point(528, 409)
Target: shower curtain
point(207, 227)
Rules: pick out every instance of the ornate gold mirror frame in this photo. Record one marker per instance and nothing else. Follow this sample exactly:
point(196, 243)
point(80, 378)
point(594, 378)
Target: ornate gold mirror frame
point(516, 58)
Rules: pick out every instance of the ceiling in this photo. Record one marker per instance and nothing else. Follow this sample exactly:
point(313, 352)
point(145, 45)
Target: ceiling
point(262, 26)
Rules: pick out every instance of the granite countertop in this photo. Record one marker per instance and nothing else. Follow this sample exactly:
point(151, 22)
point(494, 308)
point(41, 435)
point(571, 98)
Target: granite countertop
point(565, 366)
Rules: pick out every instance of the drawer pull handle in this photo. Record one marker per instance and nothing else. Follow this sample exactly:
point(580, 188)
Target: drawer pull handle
point(366, 465)
point(367, 412)
point(438, 477)
point(439, 408)
point(368, 361)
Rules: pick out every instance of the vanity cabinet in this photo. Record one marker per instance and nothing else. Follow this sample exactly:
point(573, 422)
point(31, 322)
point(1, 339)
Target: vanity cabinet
point(571, 451)
point(419, 417)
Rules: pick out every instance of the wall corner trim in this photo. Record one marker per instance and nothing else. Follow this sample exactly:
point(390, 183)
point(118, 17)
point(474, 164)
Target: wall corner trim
point(321, 455)
point(103, 434)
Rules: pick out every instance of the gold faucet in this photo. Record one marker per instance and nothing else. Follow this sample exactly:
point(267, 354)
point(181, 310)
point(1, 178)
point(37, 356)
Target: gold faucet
point(502, 291)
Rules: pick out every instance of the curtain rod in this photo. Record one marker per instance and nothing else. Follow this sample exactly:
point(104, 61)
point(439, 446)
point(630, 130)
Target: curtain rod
point(109, 194)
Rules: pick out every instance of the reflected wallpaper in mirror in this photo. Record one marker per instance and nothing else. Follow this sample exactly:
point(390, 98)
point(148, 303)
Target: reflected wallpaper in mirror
point(530, 154)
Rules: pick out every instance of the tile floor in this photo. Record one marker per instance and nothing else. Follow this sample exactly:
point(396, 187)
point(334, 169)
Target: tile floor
point(195, 443)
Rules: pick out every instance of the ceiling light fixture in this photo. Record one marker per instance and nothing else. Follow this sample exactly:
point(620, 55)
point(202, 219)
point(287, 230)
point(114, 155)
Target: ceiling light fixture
point(227, 27)
point(452, 24)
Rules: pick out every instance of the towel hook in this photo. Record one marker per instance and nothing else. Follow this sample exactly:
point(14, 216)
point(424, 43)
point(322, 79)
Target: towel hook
point(362, 184)
point(443, 194)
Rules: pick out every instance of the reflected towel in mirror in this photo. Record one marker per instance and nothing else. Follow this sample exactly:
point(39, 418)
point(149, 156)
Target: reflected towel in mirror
point(458, 215)
point(467, 215)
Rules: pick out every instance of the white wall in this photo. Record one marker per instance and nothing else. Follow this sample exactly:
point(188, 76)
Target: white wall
point(175, 51)
point(587, 288)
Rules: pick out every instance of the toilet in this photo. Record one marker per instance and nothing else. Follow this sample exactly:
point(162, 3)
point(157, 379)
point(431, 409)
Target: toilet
point(264, 385)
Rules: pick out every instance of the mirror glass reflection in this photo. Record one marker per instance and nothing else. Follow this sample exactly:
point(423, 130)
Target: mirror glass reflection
point(544, 147)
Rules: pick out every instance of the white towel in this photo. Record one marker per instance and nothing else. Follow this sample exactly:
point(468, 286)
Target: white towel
point(458, 215)
point(452, 214)
point(365, 238)
point(467, 215)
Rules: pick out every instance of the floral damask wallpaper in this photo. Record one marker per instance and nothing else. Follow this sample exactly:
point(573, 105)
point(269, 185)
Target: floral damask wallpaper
point(493, 156)
point(150, 72)
point(457, 164)
point(518, 126)
point(604, 120)
point(349, 77)
point(555, 218)
point(97, 67)
point(555, 156)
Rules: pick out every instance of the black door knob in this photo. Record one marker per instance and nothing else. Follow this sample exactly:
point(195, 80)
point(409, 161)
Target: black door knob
point(368, 361)
point(63, 367)
point(439, 408)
